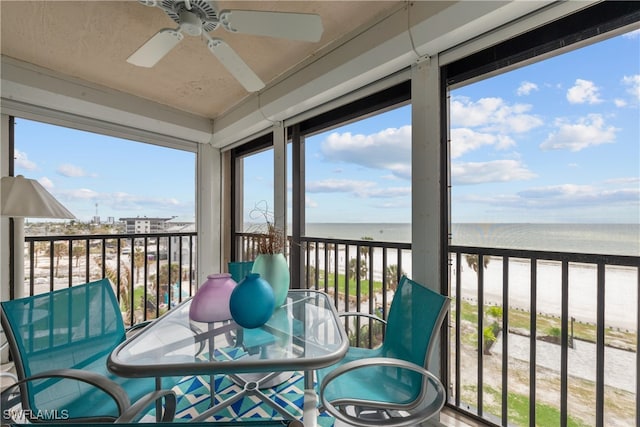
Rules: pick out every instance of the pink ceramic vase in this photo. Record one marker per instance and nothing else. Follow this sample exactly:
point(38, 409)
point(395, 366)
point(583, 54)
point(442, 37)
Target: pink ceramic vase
point(211, 302)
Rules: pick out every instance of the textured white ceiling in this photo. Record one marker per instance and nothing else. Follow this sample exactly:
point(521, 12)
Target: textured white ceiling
point(91, 40)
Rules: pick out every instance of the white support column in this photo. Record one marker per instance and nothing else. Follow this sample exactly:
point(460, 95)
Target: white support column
point(425, 173)
point(426, 185)
point(4, 228)
point(209, 214)
point(280, 176)
point(4, 222)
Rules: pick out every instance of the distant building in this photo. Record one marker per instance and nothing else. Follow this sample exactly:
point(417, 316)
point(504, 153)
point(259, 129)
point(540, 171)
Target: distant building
point(181, 225)
point(143, 225)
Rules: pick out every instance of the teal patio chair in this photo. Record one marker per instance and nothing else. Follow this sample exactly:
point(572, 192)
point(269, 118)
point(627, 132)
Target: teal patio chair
point(390, 385)
point(59, 342)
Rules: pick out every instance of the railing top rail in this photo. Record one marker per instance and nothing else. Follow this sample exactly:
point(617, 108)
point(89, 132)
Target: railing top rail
point(622, 260)
point(351, 242)
point(107, 236)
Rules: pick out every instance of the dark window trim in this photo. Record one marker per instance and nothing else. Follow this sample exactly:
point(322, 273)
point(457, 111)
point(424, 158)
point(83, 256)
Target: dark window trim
point(260, 143)
point(359, 109)
point(580, 26)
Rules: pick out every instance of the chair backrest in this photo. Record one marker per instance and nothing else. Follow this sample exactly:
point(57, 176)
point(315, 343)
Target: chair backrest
point(415, 317)
point(75, 327)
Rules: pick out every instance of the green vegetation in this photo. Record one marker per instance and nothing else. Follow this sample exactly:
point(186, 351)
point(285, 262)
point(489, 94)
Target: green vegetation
point(364, 283)
point(520, 321)
point(518, 410)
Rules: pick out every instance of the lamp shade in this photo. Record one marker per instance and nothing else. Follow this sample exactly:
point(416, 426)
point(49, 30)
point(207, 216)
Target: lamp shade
point(27, 198)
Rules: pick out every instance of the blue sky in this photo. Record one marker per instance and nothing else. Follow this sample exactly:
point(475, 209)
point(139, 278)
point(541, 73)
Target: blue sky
point(555, 141)
point(124, 178)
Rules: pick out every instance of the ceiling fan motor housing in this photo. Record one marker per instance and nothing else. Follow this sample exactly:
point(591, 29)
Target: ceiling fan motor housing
point(205, 15)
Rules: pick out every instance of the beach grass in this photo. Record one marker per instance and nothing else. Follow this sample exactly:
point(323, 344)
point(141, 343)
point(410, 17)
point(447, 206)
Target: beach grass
point(520, 322)
point(518, 410)
point(353, 284)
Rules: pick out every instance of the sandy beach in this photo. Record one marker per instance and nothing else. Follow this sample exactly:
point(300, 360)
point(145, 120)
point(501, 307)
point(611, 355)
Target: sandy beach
point(621, 290)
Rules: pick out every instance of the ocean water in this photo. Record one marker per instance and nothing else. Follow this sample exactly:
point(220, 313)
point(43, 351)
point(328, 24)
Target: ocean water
point(610, 239)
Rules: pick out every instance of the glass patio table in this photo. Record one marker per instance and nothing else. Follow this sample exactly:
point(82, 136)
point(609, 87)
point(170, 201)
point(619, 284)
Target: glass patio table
point(302, 335)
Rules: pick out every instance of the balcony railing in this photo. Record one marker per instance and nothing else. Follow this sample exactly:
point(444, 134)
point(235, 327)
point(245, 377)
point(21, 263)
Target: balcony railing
point(544, 338)
point(535, 337)
point(151, 272)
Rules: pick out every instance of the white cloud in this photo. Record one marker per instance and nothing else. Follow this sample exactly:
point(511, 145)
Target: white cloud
point(563, 197)
point(22, 161)
point(583, 92)
point(586, 132)
point(85, 199)
point(309, 202)
point(338, 186)
point(389, 149)
point(526, 88)
point(464, 140)
point(620, 102)
point(632, 35)
point(385, 193)
point(492, 114)
point(70, 170)
point(493, 171)
point(634, 180)
point(46, 183)
point(356, 188)
point(634, 85)
point(82, 193)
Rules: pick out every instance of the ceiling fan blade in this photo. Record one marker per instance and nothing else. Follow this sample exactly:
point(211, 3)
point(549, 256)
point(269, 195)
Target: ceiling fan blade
point(296, 26)
point(155, 48)
point(236, 66)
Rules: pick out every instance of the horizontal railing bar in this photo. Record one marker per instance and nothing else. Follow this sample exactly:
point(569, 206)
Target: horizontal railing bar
point(620, 260)
point(105, 236)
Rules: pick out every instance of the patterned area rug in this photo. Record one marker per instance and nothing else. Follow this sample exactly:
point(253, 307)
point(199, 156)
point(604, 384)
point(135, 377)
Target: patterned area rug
point(194, 397)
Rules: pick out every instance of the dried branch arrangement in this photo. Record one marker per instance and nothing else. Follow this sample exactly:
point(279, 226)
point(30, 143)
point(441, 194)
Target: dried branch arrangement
point(273, 240)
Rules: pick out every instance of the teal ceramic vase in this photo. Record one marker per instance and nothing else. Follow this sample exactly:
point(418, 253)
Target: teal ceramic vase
point(274, 269)
point(251, 302)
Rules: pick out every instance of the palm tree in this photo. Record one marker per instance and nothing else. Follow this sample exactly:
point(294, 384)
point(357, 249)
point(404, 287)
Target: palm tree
point(78, 251)
point(123, 289)
point(138, 261)
point(352, 269)
point(39, 247)
point(472, 261)
point(391, 275)
point(59, 249)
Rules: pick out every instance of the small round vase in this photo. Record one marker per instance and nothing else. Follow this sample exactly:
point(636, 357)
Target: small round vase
point(251, 302)
point(274, 269)
point(211, 301)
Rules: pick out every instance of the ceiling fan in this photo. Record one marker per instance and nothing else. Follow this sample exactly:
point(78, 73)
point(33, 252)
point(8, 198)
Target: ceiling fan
point(199, 17)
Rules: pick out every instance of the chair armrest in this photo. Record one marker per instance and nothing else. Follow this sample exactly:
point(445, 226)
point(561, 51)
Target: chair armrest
point(114, 390)
point(141, 405)
point(355, 313)
point(127, 411)
point(413, 419)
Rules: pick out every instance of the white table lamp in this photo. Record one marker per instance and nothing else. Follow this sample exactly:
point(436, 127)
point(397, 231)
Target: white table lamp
point(26, 198)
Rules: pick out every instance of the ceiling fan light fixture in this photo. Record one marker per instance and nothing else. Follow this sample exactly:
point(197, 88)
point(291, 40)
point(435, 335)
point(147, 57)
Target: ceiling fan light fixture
point(190, 23)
